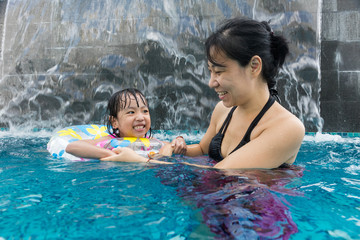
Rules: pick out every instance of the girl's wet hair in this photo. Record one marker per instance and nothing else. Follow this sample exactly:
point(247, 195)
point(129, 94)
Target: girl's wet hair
point(119, 101)
point(241, 38)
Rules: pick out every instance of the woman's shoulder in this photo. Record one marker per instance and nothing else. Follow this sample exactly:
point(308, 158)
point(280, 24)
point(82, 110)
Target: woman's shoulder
point(219, 114)
point(220, 109)
point(287, 121)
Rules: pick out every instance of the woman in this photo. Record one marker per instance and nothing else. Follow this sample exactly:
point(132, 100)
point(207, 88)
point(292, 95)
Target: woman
point(248, 128)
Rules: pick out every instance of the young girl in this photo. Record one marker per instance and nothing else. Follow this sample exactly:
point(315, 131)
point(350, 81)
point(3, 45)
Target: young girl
point(128, 117)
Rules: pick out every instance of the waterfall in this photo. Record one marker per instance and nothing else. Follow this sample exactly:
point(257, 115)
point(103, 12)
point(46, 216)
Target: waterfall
point(61, 60)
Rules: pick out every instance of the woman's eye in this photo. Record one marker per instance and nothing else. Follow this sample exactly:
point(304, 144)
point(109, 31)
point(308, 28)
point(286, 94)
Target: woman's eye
point(218, 71)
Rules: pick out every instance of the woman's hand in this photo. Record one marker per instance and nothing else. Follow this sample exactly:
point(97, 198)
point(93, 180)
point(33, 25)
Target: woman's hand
point(179, 145)
point(124, 154)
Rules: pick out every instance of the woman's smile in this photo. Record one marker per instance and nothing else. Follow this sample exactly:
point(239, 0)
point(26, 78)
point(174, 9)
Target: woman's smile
point(222, 94)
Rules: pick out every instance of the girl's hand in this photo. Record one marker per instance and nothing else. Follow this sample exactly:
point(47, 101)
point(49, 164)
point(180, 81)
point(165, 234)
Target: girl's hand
point(124, 154)
point(179, 145)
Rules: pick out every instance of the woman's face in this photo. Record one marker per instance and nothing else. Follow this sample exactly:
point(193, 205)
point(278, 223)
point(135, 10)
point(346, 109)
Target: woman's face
point(133, 120)
point(228, 79)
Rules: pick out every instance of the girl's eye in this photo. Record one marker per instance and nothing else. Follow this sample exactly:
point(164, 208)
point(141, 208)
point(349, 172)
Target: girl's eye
point(146, 111)
point(130, 112)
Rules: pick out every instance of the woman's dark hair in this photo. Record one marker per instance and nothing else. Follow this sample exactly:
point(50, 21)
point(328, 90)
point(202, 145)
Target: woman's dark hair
point(119, 101)
point(242, 38)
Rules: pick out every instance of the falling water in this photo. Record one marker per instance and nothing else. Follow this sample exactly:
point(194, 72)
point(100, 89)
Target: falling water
point(61, 60)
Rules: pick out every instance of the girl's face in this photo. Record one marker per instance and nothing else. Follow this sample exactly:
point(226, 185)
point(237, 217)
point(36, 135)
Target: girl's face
point(230, 80)
point(133, 120)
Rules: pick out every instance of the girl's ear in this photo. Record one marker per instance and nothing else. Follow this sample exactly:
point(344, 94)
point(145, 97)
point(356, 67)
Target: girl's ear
point(113, 122)
point(256, 64)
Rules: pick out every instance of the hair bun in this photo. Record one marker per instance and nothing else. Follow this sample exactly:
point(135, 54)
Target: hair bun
point(267, 26)
point(279, 46)
point(279, 49)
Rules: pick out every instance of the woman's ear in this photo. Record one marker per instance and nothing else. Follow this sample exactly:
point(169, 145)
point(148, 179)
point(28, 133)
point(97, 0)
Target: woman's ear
point(256, 64)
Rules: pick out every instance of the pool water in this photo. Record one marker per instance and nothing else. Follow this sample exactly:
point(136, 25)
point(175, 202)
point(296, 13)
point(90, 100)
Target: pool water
point(46, 198)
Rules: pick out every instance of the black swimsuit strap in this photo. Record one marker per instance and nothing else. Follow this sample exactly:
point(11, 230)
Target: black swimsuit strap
point(253, 124)
point(227, 121)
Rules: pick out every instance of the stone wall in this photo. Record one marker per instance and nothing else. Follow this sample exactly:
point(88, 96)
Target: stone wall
point(51, 71)
point(62, 59)
point(2, 15)
point(340, 66)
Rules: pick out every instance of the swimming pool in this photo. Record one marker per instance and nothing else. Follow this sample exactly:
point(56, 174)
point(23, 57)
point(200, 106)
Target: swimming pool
point(45, 198)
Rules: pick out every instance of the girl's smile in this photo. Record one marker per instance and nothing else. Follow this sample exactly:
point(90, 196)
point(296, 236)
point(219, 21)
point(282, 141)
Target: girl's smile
point(134, 119)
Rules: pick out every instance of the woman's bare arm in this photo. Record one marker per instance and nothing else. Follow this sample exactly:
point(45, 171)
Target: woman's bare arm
point(202, 148)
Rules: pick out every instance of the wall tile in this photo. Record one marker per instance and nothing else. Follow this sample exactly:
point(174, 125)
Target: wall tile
point(350, 60)
point(349, 86)
point(329, 55)
point(347, 5)
point(331, 113)
point(350, 116)
point(329, 6)
point(330, 26)
point(349, 25)
point(329, 86)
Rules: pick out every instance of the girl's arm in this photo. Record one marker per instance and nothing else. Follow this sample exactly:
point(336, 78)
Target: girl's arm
point(88, 149)
point(126, 154)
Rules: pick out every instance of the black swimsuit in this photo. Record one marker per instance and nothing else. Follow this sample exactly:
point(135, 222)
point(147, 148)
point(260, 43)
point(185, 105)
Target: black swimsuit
point(215, 144)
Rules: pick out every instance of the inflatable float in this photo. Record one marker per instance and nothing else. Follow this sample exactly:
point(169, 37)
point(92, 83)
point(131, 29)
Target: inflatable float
point(61, 138)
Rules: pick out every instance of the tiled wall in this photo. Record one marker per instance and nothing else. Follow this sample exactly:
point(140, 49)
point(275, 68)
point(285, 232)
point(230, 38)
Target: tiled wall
point(340, 66)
